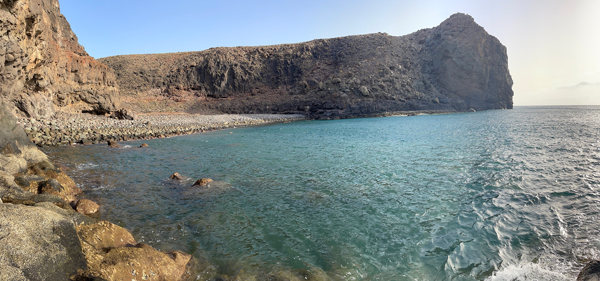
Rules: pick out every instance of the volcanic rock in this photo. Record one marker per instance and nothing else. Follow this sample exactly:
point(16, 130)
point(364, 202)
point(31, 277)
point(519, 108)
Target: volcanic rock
point(38, 244)
point(113, 144)
point(43, 67)
point(86, 207)
point(591, 272)
point(176, 176)
point(113, 254)
point(452, 67)
point(124, 114)
point(202, 182)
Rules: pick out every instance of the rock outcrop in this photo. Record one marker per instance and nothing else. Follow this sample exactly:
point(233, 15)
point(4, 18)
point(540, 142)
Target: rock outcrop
point(43, 238)
point(43, 67)
point(456, 66)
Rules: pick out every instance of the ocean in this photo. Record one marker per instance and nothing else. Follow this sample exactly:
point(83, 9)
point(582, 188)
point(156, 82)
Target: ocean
point(491, 195)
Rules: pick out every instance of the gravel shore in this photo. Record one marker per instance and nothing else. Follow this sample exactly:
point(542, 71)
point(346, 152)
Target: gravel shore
point(67, 129)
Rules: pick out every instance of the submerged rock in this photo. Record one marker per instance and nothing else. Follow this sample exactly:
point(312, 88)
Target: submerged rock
point(203, 182)
point(176, 176)
point(113, 144)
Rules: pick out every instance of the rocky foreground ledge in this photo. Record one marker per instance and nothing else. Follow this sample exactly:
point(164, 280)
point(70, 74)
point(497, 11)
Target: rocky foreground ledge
point(42, 237)
point(67, 129)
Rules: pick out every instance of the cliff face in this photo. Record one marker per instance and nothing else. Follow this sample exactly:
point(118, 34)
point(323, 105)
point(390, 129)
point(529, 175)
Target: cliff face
point(43, 67)
point(456, 66)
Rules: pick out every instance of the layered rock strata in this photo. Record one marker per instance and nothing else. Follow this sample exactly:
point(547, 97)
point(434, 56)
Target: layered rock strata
point(42, 66)
point(456, 66)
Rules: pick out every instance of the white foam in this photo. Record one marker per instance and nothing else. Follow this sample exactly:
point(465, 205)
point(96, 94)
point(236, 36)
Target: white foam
point(527, 272)
point(85, 166)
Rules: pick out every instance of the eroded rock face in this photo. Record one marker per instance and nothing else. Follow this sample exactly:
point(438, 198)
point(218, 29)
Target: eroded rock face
point(453, 67)
point(43, 67)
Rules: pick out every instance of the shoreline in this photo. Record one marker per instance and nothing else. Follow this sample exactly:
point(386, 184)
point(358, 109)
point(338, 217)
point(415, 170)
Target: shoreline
point(70, 129)
point(86, 129)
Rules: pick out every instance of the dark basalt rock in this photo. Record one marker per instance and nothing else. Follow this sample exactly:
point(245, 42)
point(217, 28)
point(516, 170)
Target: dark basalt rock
point(591, 272)
point(455, 66)
point(124, 114)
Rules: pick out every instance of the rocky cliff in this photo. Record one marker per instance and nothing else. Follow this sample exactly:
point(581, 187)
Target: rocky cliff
point(43, 67)
point(456, 66)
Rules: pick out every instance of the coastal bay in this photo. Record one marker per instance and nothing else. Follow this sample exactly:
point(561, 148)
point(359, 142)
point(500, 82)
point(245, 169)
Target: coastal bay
point(492, 195)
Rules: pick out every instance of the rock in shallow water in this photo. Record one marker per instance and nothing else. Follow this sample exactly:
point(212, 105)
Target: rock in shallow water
point(203, 182)
point(591, 272)
point(176, 176)
point(86, 207)
point(113, 254)
point(114, 144)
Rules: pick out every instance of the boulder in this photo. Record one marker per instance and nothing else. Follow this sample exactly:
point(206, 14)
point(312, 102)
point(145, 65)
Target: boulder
point(144, 145)
point(86, 207)
point(591, 272)
point(176, 176)
point(124, 114)
point(113, 144)
point(205, 182)
point(113, 254)
point(38, 244)
point(104, 235)
point(54, 181)
point(29, 183)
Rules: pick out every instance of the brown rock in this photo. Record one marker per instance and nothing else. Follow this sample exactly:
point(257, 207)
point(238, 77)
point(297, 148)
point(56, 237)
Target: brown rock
point(45, 55)
point(202, 182)
point(176, 176)
point(113, 254)
point(144, 145)
point(140, 262)
point(44, 177)
point(124, 114)
point(114, 144)
point(105, 235)
point(86, 207)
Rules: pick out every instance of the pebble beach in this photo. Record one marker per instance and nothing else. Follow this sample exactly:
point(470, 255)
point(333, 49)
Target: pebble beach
point(71, 129)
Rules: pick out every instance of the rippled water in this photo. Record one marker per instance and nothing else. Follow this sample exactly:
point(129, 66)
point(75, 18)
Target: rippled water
point(499, 195)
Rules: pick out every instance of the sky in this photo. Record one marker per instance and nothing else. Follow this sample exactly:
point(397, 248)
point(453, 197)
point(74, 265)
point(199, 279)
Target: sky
point(553, 46)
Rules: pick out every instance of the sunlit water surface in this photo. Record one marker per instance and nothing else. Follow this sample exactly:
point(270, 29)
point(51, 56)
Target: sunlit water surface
point(499, 195)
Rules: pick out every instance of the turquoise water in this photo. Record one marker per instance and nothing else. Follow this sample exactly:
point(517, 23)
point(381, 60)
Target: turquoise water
point(492, 195)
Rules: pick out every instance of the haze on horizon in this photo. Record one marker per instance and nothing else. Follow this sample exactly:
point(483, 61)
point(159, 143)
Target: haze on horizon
point(552, 44)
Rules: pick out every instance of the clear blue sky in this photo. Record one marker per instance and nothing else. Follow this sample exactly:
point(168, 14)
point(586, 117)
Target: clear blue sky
point(552, 44)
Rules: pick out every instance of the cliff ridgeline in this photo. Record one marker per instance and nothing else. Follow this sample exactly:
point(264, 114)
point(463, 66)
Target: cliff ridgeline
point(456, 66)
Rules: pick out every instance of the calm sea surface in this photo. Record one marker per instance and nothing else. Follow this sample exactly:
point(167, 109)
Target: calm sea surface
point(492, 195)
